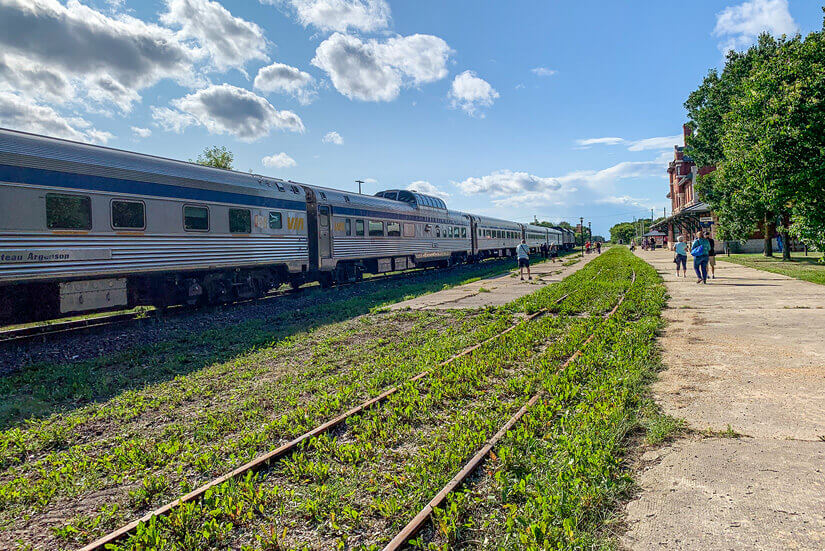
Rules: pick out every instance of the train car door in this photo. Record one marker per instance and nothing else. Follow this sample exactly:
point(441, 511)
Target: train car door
point(324, 232)
point(473, 234)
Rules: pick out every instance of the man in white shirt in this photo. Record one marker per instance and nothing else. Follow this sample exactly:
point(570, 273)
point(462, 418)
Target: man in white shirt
point(523, 253)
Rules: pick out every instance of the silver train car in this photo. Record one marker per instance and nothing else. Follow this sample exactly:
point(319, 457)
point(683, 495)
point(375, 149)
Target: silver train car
point(86, 228)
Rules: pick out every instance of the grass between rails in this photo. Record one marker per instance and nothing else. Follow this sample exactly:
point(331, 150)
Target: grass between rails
point(353, 490)
point(807, 268)
point(558, 477)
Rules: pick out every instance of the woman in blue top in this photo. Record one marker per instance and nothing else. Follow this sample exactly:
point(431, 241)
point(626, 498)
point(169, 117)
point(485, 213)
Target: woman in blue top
point(700, 249)
point(681, 256)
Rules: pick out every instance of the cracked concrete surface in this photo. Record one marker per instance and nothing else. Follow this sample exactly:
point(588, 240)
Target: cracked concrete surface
point(745, 351)
point(496, 290)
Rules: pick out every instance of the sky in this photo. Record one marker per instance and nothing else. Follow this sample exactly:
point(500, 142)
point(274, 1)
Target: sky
point(519, 109)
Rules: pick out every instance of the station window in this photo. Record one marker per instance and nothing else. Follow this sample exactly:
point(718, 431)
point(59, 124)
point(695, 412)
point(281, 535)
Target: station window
point(393, 229)
point(359, 228)
point(348, 226)
point(68, 212)
point(276, 220)
point(128, 215)
point(240, 221)
point(376, 228)
point(195, 218)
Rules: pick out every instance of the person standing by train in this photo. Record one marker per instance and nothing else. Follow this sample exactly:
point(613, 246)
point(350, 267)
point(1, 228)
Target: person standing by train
point(523, 253)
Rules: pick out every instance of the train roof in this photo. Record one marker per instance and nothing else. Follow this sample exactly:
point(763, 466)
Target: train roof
point(497, 222)
point(542, 228)
point(57, 154)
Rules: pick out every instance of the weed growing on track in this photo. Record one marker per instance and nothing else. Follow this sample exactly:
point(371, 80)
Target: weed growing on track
point(558, 475)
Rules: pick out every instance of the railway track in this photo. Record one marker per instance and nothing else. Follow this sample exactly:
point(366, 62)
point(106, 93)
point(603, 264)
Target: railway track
point(419, 521)
point(264, 461)
point(20, 336)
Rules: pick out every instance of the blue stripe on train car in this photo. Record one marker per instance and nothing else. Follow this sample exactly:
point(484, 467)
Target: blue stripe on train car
point(69, 180)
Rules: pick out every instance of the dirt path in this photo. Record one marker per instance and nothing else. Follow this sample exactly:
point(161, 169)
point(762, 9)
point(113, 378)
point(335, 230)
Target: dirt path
point(496, 290)
point(745, 353)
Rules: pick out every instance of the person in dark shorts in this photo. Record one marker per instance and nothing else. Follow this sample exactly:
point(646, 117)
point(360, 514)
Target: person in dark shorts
point(523, 253)
point(711, 254)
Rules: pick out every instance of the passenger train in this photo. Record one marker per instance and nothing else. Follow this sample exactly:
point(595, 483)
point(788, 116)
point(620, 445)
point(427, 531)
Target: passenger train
point(86, 228)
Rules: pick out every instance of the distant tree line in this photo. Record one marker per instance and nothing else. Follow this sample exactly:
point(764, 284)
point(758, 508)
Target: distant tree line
point(761, 122)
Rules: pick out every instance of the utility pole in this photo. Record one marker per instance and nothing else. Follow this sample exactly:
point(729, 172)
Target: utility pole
point(581, 231)
point(359, 182)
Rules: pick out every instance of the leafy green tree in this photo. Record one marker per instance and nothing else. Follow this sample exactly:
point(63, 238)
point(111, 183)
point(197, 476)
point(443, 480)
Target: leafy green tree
point(623, 232)
point(215, 156)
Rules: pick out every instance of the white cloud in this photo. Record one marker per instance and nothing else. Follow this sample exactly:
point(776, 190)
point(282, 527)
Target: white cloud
point(543, 71)
point(370, 181)
point(229, 40)
point(226, 109)
point(87, 55)
point(425, 187)
point(333, 137)
point(739, 26)
point(340, 15)
point(141, 132)
point(509, 188)
point(471, 93)
point(376, 71)
point(646, 144)
point(24, 114)
point(285, 79)
point(279, 160)
point(663, 142)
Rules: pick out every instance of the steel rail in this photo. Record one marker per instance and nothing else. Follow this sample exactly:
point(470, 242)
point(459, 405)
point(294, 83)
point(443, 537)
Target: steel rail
point(263, 461)
point(418, 522)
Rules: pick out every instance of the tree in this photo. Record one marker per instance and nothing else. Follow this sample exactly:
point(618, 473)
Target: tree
point(623, 232)
point(218, 157)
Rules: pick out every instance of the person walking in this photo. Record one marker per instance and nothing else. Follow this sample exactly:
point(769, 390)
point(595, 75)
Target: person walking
point(711, 254)
point(523, 253)
point(699, 250)
point(598, 247)
point(681, 256)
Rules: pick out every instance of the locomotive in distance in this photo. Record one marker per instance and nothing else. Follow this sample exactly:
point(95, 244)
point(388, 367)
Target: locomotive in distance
point(86, 228)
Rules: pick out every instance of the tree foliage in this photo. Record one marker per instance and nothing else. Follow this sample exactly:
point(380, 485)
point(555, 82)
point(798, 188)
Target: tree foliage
point(216, 156)
point(762, 123)
point(623, 232)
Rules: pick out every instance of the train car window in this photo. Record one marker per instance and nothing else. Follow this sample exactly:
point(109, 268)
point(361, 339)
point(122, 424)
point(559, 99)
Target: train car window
point(376, 228)
point(394, 229)
point(129, 215)
point(323, 195)
point(359, 228)
point(428, 229)
point(195, 218)
point(464, 233)
point(346, 198)
point(240, 221)
point(323, 216)
point(68, 212)
point(294, 189)
point(348, 226)
point(276, 220)
point(437, 231)
point(409, 230)
point(280, 186)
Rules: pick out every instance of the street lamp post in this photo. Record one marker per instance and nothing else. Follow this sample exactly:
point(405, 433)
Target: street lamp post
point(589, 232)
point(359, 182)
point(581, 232)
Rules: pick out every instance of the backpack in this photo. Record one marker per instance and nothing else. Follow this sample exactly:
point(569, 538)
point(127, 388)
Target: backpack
point(698, 250)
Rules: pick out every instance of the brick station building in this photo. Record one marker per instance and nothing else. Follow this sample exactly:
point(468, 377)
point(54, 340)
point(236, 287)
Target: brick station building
point(688, 213)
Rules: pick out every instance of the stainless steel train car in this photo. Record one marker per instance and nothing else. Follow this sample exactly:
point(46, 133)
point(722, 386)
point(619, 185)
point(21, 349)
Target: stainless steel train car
point(85, 228)
point(495, 237)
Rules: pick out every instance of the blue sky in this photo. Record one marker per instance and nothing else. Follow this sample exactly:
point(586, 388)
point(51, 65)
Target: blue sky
point(515, 109)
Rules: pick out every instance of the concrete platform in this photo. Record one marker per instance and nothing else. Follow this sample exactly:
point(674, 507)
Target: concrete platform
point(496, 290)
point(747, 350)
